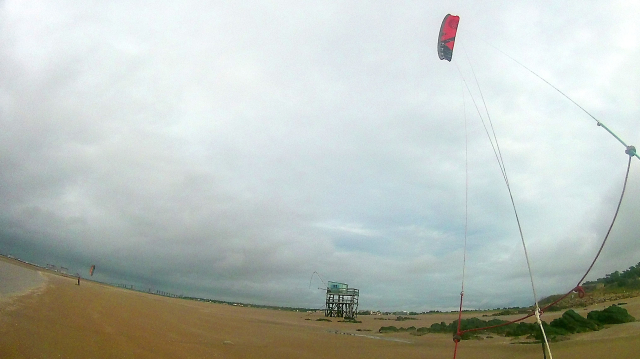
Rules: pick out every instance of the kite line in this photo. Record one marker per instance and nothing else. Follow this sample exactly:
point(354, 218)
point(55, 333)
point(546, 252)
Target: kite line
point(446, 41)
point(630, 150)
point(493, 139)
point(466, 209)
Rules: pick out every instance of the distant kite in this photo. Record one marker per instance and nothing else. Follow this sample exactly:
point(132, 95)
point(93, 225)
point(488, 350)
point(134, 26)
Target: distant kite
point(447, 36)
point(93, 267)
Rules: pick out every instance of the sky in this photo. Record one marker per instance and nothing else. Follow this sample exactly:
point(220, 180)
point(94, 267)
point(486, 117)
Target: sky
point(230, 150)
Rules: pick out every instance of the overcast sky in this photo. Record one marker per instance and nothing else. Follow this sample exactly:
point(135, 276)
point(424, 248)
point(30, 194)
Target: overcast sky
point(229, 149)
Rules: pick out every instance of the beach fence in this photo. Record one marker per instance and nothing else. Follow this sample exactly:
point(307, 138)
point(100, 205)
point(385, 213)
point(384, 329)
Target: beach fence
point(167, 294)
point(147, 290)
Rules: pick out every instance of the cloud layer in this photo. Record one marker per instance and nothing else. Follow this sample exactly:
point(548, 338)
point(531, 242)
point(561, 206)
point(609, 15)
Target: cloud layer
point(229, 151)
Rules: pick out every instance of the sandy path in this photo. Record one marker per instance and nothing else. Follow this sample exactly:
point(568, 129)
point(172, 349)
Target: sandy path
point(97, 321)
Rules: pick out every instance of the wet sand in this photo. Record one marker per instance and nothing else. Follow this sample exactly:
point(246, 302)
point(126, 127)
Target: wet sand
point(16, 280)
point(93, 320)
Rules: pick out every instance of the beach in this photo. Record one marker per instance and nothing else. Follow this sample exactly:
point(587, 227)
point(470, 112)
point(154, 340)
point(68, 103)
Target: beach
point(56, 318)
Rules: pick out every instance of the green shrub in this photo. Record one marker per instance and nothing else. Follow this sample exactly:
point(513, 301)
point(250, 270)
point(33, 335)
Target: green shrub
point(389, 329)
point(573, 322)
point(440, 328)
point(611, 315)
point(570, 322)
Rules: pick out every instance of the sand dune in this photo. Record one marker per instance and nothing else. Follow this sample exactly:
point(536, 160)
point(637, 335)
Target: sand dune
point(59, 319)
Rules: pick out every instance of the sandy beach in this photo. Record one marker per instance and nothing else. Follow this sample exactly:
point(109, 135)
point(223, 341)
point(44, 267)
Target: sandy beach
point(55, 318)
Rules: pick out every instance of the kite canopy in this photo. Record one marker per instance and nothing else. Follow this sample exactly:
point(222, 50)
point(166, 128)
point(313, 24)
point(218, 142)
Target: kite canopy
point(447, 36)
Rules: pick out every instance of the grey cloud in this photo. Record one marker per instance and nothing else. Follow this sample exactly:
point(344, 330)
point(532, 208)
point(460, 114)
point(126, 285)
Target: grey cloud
point(232, 150)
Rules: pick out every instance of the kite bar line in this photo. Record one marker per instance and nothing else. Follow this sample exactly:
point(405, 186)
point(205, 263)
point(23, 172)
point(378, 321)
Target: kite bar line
point(578, 287)
point(466, 217)
point(499, 158)
point(630, 150)
point(498, 154)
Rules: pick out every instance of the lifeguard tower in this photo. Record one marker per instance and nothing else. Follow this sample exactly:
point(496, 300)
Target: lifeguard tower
point(342, 301)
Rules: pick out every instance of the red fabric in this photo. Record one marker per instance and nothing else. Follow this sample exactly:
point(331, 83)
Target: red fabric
point(449, 31)
point(447, 36)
